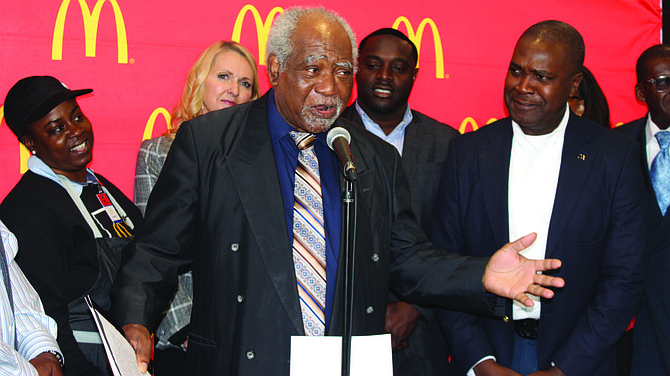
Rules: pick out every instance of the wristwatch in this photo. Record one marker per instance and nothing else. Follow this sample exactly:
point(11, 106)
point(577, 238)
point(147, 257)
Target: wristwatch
point(58, 356)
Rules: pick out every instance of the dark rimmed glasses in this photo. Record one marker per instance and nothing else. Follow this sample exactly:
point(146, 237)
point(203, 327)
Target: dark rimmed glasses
point(661, 83)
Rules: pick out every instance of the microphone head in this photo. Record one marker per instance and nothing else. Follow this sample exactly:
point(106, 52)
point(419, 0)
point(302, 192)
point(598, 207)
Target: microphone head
point(336, 132)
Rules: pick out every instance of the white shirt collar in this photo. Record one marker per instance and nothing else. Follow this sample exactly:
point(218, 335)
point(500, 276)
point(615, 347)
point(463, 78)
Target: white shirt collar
point(651, 129)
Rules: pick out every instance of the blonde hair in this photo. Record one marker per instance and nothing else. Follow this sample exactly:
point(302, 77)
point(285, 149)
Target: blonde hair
point(191, 103)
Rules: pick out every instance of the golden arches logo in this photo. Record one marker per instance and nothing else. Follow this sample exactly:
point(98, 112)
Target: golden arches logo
point(149, 128)
point(473, 124)
point(91, 21)
point(262, 28)
point(416, 38)
point(24, 154)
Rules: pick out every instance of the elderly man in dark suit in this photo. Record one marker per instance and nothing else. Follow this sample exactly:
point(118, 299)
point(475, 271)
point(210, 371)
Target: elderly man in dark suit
point(249, 199)
point(573, 182)
point(651, 336)
point(387, 70)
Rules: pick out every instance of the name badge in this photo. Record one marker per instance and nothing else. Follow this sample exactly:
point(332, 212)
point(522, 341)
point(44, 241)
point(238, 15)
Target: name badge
point(109, 208)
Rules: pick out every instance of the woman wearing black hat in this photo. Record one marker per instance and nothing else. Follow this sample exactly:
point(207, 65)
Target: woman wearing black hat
point(71, 223)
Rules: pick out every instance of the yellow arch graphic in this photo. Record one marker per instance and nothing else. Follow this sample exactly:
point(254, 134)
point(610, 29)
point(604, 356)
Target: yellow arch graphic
point(416, 38)
point(90, 29)
point(473, 124)
point(262, 28)
point(149, 128)
point(24, 154)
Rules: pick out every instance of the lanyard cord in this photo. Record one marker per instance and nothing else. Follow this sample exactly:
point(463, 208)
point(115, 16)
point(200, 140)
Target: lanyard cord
point(82, 208)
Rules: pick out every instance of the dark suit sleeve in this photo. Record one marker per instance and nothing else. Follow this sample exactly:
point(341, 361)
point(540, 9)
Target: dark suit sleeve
point(465, 333)
point(162, 248)
point(422, 273)
point(622, 270)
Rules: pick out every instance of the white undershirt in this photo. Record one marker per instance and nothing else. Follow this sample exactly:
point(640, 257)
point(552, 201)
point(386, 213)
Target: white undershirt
point(535, 163)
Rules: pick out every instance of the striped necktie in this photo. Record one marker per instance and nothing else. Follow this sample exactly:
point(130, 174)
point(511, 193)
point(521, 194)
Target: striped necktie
point(660, 171)
point(309, 240)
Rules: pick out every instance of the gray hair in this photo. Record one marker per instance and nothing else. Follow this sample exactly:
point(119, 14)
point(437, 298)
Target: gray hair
point(279, 39)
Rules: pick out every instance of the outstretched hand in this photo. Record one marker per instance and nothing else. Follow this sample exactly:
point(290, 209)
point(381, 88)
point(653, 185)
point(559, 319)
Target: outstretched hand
point(553, 371)
point(511, 275)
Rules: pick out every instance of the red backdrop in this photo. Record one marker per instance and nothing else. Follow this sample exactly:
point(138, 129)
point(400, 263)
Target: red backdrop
point(135, 55)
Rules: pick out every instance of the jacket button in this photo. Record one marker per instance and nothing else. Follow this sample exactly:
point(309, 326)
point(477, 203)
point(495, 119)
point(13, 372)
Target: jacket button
point(370, 310)
point(235, 246)
point(250, 354)
point(375, 257)
point(240, 298)
point(505, 318)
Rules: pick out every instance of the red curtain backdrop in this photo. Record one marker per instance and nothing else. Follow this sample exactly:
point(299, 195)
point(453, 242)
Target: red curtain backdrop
point(135, 55)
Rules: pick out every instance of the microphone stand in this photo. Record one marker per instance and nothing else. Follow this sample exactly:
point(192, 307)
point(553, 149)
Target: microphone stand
point(349, 213)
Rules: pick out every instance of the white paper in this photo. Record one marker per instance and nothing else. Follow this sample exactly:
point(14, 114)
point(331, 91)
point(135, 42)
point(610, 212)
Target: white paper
point(120, 354)
point(370, 355)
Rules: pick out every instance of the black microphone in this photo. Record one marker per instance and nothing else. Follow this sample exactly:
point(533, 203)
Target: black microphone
point(338, 140)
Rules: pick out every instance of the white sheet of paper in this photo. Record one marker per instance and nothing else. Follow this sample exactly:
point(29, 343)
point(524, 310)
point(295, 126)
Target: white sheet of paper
point(120, 354)
point(370, 355)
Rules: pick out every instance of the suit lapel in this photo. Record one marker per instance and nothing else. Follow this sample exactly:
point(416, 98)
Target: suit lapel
point(362, 164)
point(494, 160)
point(576, 161)
point(411, 146)
point(254, 172)
point(640, 135)
point(364, 191)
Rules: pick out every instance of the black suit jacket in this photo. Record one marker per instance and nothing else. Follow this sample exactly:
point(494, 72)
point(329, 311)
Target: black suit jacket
point(651, 337)
point(597, 229)
point(217, 208)
point(423, 156)
point(424, 152)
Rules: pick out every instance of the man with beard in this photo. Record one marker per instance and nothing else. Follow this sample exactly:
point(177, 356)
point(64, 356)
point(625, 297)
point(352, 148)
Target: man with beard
point(387, 71)
point(651, 335)
point(249, 199)
point(574, 183)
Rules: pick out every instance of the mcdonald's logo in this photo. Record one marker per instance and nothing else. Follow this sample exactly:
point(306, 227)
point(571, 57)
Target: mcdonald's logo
point(473, 124)
point(149, 128)
point(416, 38)
point(262, 28)
point(90, 29)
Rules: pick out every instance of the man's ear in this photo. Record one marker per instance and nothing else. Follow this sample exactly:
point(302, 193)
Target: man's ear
point(273, 69)
point(576, 80)
point(639, 93)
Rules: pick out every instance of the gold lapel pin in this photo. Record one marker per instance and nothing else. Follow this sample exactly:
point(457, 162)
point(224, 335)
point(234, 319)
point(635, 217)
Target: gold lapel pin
point(581, 156)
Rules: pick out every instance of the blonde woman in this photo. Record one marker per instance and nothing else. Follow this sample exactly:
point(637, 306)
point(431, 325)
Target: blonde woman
point(223, 76)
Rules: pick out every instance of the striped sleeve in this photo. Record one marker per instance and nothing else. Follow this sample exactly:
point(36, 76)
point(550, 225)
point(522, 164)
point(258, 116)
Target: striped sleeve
point(35, 332)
